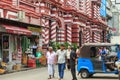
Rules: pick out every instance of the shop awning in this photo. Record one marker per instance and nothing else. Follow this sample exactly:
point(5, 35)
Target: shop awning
point(17, 30)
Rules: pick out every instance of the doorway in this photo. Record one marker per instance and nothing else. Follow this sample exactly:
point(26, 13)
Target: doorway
point(1, 46)
point(80, 38)
point(103, 38)
point(5, 48)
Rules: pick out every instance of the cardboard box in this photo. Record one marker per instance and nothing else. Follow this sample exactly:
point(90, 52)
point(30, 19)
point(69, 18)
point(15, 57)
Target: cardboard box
point(44, 60)
point(17, 67)
point(24, 60)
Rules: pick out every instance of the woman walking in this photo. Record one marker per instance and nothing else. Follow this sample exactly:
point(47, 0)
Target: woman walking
point(68, 57)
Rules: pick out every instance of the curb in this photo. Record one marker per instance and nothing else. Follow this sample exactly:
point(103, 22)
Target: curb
point(13, 71)
point(24, 69)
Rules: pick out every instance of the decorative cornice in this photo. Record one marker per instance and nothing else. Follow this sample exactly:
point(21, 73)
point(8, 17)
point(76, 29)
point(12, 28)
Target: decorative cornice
point(53, 2)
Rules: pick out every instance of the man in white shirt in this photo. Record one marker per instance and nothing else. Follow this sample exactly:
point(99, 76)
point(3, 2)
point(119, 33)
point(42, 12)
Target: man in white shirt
point(61, 59)
point(50, 61)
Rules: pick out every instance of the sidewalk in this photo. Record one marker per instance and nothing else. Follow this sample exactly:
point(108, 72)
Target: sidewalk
point(22, 69)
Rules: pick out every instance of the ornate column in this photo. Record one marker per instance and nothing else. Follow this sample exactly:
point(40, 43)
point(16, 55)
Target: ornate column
point(47, 32)
point(96, 34)
point(86, 35)
point(88, 8)
point(43, 30)
point(69, 33)
point(53, 33)
point(75, 31)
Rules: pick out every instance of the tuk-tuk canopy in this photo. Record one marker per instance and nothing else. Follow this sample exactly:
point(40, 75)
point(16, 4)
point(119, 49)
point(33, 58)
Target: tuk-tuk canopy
point(85, 50)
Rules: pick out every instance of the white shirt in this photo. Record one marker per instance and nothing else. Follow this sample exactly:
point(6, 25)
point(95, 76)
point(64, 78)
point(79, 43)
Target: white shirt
point(68, 54)
point(50, 57)
point(61, 56)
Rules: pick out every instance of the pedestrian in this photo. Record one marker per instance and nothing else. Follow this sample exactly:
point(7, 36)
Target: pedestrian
point(103, 53)
point(68, 57)
point(73, 58)
point(50, 55)
point(61, 59)
point(78, 51)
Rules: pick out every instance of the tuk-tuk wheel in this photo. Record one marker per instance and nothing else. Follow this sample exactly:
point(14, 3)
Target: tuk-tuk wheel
point(84, 74)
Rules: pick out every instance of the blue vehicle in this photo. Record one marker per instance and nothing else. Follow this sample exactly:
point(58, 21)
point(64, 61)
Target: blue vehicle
point(98, 58)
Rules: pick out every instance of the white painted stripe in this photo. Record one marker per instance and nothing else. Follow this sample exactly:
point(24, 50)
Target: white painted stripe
point(53, 32)
point(61, 39)
point(11, 13)
point(1, 13)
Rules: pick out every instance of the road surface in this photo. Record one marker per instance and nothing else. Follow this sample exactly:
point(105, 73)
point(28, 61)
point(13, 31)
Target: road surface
point(41, 74)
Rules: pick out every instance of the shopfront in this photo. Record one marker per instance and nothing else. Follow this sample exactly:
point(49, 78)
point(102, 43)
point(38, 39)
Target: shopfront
point(10, 38)
point(18, 40)
point(0, 45)
point(36, 38)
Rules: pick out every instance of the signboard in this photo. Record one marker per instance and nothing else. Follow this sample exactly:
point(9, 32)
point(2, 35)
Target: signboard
point(35, 31)
point(117, 1)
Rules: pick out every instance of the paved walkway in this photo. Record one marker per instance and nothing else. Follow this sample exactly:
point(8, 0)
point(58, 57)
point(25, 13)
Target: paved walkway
point(41, 74)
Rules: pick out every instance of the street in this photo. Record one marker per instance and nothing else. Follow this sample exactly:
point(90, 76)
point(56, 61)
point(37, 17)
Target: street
point(41, 74)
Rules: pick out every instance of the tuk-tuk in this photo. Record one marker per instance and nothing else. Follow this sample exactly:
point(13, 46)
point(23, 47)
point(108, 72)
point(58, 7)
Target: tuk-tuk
point(91, 60)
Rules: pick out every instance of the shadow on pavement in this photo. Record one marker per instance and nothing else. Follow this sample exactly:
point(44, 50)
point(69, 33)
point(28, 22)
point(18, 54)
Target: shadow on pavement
point(104, 77)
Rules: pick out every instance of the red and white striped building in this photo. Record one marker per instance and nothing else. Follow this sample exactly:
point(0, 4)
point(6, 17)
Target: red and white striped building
point(72, 21)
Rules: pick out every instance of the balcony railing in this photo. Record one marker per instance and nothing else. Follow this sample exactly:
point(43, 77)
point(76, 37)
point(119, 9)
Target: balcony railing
point(27, 6)
point(7, 1)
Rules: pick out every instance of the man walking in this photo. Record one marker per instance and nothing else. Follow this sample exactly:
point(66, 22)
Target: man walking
point(73, 57)
point(61, 59)
point(51, 60)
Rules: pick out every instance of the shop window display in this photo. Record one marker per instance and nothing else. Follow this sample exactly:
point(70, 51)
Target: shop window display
point(33, 53)
point(17, 50)
point(0, 46)
point(5, 43)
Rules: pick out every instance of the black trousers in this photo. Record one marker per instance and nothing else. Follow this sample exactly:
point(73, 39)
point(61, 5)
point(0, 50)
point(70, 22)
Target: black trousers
point(68, 63)
point(73, 72)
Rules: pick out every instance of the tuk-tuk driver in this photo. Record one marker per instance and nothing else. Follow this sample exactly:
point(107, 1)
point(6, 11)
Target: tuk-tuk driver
point(103, 53)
